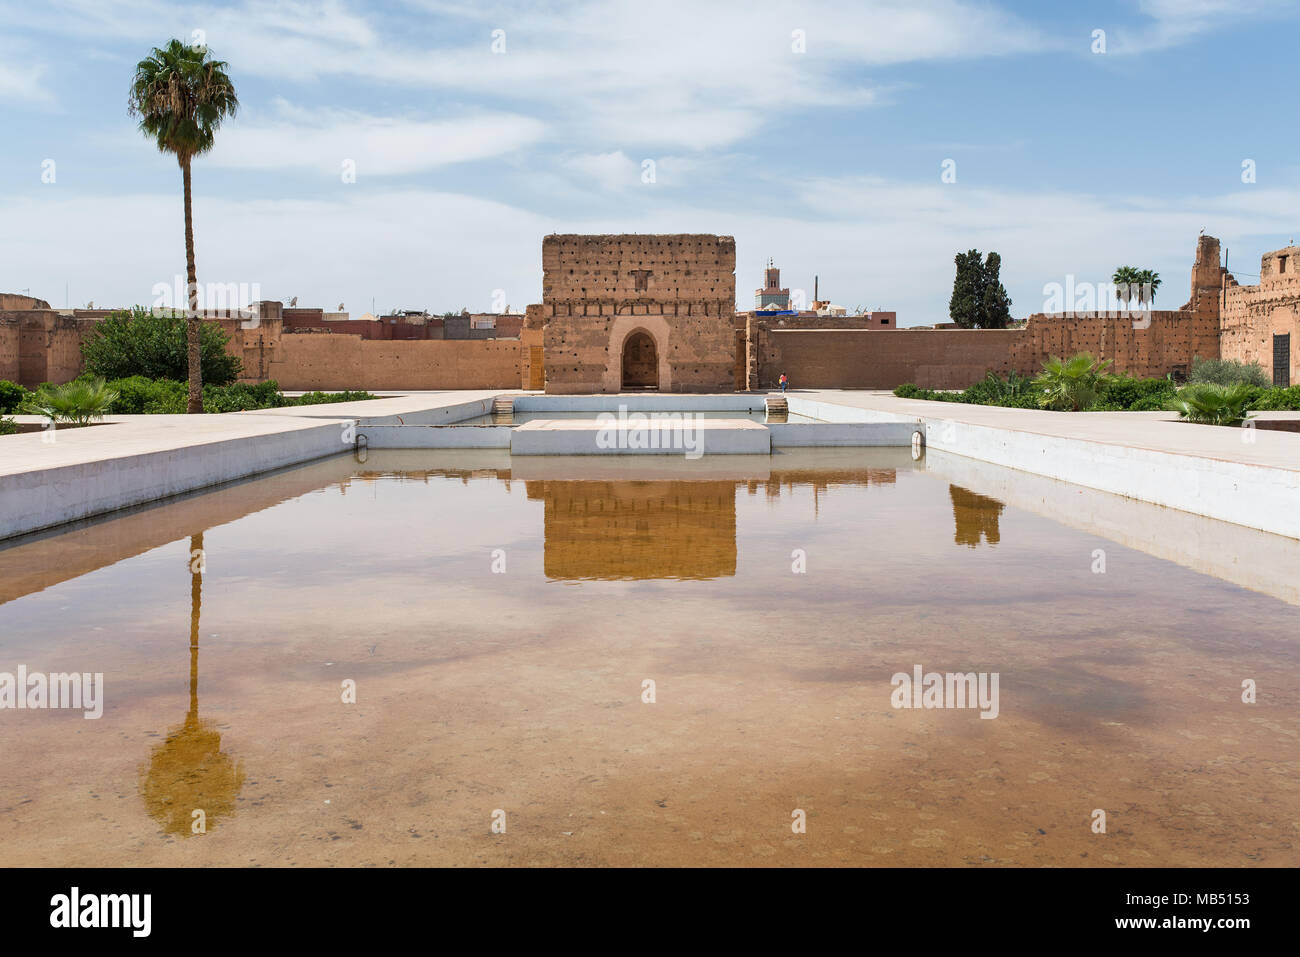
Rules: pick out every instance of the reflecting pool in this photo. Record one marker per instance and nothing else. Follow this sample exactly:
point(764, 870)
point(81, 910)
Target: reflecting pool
point(628, 663)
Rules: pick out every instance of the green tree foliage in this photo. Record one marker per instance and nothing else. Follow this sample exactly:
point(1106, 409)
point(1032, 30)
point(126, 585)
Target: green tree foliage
point(155, 346)
point(1132, 283)
point(12, 395)
point(979, 300)
point(1149, 279)
point(1228, 372)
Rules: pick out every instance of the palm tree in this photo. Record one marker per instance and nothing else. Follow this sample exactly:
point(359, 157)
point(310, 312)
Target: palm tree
point(1126, 279)
point(181, 96)
point(1149, 279)
point(1131, 282)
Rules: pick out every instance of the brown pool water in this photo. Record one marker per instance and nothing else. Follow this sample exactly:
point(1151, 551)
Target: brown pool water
point(500, 617)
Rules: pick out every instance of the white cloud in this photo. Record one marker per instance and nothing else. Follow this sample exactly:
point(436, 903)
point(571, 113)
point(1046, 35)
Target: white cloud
point(406, 249)
point(1175, 22)
point(24, 85)
point(678, 73)
point(379, 146)
point(892, 244)
point(609, 171)
point(23, 75)
point(698, 76)
point(873, 243)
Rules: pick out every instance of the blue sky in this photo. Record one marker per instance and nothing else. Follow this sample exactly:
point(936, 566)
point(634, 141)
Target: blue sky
point(1068, 161)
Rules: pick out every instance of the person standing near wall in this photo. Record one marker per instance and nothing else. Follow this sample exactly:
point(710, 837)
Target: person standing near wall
point(784, 381)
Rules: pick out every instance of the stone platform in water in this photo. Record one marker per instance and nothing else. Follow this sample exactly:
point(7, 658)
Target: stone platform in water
point(641, 435)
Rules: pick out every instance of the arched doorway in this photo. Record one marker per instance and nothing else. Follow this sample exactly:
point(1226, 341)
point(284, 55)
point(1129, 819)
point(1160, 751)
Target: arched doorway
point(640, 362)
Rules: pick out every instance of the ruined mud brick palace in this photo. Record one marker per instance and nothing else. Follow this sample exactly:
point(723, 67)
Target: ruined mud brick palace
point(634, 312)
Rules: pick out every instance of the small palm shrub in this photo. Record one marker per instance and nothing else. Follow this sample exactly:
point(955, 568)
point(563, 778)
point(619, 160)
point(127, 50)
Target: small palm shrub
point(79, 402)
point(1072, 384)
point(1211, 404)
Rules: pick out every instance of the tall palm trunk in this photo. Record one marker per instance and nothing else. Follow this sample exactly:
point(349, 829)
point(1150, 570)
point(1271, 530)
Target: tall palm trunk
point(192, 321)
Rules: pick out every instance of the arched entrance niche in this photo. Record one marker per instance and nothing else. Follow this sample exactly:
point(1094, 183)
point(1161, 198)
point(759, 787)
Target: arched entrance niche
point(640, 362)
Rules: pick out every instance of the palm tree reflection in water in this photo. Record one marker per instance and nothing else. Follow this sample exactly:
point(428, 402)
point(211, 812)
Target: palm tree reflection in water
point(188, 772)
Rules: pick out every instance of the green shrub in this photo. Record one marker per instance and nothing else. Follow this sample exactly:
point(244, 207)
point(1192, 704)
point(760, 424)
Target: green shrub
point(243, 397)
point(323, 398)
point(1072, 384)
point(1228, 372)
point(1150, 403)
point(1211, 404)
point(79, 402)
point(8, 427)
point(1278, 400)
point(1016, 392)
point(12, 395)
point(994, 390)
point(1028, 401)
point(1114, 393)
point(140, 343)
point(1124, 392)
point(140, 396)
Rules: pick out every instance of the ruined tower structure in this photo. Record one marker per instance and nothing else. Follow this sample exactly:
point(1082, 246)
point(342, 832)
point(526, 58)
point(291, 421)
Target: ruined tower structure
point(1261, 323)
point(631, 312)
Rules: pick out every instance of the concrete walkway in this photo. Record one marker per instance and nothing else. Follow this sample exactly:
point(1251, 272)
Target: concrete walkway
point(1248, 476)
point(1154, 431)
point(51, 478)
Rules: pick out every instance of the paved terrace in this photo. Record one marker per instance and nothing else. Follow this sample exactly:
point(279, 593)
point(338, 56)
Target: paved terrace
point(1154, 431)
point(1247, 476)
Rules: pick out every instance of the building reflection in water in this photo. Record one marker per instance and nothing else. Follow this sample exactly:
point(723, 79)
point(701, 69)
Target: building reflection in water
point(975, 517)
point(624, 530)
point(188, 771)
point(632, 530)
